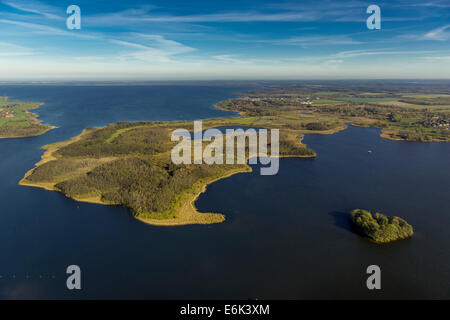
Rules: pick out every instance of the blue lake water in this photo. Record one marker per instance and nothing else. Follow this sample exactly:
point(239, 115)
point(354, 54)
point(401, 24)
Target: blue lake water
point(286, 236)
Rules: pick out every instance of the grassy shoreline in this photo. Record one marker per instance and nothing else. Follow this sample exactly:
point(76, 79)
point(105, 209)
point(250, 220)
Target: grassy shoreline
point(188, 213)
point(47, 156)
point(23, 123)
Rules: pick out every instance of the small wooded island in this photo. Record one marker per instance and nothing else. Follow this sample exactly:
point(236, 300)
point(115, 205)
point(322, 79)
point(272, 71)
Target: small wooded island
point(380, 228)
point(17, 122)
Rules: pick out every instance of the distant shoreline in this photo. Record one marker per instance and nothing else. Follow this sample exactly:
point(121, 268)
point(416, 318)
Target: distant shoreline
point(33, 127)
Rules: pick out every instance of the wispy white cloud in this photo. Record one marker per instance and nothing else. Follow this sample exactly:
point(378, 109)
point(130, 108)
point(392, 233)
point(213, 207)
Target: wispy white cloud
point(158, 49)
point(306, 41)
point(352, 11)
point(144, 47)
point(12, 50)
point(438, 59)
point(34, 26)
point(128, 44)
point(342, 56)
point(161, 41)
point(359, 53)
point(440, 34)
point(38, 8)
point(430, 4)
point(219, 50)
point(380, 52)
point(334, 61)
point(44, 29)
point(228, 58)
point(121, 18)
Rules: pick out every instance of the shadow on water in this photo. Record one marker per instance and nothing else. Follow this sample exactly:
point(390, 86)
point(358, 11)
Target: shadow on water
point(341, 220)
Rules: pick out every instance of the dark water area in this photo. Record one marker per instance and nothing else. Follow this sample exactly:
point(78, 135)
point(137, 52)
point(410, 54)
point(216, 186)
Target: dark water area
point(286, 236)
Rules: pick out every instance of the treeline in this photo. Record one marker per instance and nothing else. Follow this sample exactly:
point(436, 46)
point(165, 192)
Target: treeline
point(139, 139)
point(428, 101)
point(424, 136)
point(145, 187)
point(318, 126)
point(59, 169)
point(28, 130)
point(294, 148)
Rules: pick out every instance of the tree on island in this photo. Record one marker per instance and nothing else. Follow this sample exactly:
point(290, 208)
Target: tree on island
point(380, 228)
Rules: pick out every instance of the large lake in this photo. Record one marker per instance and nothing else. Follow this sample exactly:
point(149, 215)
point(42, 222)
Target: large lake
point(286, 236)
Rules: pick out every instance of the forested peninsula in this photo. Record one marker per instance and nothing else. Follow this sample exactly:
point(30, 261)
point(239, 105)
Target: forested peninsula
point(129, 164)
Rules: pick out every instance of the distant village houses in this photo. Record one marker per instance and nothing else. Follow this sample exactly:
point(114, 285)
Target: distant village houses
point(437, 122)
point(6, 114)
point(6, 110)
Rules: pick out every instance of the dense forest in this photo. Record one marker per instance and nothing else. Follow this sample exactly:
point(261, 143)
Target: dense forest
point(380, 228)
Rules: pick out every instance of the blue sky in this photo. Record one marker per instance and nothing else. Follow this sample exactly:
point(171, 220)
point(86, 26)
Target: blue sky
point(182, 40)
